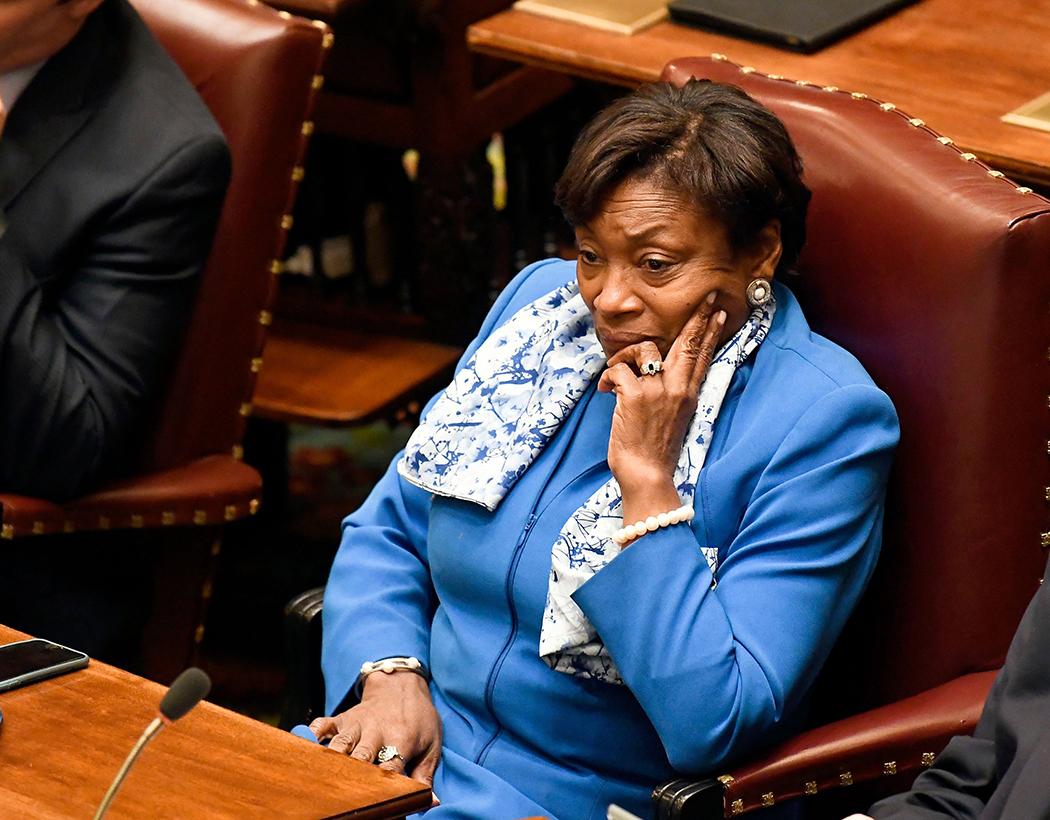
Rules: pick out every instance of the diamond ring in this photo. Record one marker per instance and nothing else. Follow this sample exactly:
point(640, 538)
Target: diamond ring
point(388, 753)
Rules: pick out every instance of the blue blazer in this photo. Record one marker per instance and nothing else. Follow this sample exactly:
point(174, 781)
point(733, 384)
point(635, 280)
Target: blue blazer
point(791, 494)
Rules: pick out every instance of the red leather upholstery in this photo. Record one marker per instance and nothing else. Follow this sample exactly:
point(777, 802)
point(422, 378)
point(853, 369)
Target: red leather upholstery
point(935, 272)
point(257, 71)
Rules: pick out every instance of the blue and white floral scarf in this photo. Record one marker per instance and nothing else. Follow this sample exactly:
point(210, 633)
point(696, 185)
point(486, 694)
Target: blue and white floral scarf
point(506, 404)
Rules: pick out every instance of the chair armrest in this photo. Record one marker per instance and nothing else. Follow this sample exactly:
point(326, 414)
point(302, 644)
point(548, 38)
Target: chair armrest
point(206, 491)
point(302, 642)
point(899, 738)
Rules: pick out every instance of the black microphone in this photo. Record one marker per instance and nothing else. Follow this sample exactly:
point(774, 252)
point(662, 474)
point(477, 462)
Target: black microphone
point(186, 691)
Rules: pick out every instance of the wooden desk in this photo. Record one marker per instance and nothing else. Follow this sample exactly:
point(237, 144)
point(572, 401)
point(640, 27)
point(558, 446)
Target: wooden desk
point(63, 740)
point(957, 64)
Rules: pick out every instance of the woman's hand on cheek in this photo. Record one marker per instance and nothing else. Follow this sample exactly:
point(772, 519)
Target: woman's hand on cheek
point(395, 710)
point(653, 412)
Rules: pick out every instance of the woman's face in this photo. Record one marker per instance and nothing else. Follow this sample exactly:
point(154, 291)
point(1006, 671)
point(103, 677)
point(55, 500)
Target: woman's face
point(649, 259)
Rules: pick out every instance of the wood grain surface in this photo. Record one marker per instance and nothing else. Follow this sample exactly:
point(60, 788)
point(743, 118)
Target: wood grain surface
point(63, 740)
point(957, 64)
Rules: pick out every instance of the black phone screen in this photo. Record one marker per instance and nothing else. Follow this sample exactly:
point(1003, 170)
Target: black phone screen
point(18, 659)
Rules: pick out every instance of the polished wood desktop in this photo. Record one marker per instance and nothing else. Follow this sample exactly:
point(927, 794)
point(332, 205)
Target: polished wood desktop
point(64, 739)
point(957, 64)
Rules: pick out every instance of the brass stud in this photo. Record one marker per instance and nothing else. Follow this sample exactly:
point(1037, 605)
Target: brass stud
point(888, 107)
point(38, 528)
point(317, 83)
point(967, 156)
point(846, 779)
point(298, 172)
point(1044, 539)
point(945, 140)
point(321, 24)
point(256, 365)
point(245, 409)
point(726, 779)
point(831, 88)
point(284, 15)
point(277, 266)
point(253, 506)
point(803, 83)
point(308, 128)
point(68, 526)
point(265, 318)
point(230, 512)
point(7, 532)
point(719, 57)
point(927, 758)
point(200, 517)
point(889, 767)
point(774, 77)
point(137, 521)
point(746, 69)
point(327, 40)
point(167, 518)
point(198, 636)
point(238, 452)
point(916, 122)
point(1047, 493)
point(216, 548)
point(768, 800)
point(1048, 447)
point(103, 522)
point(286, 222)
point(857, 95)
point(996, 174)
point(811, 787)
point(737, 807)
point(206, 591)
point(1023, 189)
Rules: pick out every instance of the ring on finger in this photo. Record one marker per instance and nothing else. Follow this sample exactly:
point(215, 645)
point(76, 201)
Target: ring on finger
point(650, 367)
point(388, 753)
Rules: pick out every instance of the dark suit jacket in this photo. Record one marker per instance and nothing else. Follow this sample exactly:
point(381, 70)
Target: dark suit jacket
point(1003, 771)
point(112, 176)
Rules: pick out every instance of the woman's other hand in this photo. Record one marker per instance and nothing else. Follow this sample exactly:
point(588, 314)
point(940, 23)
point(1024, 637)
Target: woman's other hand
point(395, 710)
point(653, 412)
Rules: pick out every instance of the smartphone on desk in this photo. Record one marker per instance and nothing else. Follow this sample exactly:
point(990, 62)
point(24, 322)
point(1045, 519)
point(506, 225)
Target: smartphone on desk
point(34, 660)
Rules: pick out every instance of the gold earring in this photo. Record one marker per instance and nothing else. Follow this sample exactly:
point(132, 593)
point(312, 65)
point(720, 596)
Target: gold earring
point(759, 292)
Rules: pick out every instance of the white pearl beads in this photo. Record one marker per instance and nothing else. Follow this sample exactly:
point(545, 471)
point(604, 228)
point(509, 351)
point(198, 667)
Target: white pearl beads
point(652, 523)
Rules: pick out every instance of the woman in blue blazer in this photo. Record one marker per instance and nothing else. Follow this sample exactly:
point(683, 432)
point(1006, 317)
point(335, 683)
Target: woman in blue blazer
point(621, 543)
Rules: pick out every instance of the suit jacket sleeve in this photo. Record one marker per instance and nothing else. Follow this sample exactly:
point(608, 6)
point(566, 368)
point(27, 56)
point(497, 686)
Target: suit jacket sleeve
point(79, 360)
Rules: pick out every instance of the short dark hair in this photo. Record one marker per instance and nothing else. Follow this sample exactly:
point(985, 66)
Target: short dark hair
point(716, 144)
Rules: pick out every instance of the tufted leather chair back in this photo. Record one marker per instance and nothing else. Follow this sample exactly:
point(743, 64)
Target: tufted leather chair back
point(256, 71)
point(935, 272)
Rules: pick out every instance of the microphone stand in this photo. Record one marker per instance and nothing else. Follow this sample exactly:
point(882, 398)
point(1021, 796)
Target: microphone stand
point(151, 732)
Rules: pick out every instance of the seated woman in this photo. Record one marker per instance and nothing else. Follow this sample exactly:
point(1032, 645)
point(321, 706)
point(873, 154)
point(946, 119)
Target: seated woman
point(546, 659)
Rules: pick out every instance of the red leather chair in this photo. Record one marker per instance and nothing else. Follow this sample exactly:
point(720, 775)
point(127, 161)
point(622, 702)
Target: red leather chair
point(259, 72)
point(934, 270)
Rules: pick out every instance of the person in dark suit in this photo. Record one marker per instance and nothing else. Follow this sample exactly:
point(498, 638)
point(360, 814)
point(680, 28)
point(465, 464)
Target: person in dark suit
point(1003, 771)
point(112, 176)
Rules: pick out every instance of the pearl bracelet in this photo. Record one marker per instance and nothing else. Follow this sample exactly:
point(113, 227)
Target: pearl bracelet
point(653, 523)
point(391, 665)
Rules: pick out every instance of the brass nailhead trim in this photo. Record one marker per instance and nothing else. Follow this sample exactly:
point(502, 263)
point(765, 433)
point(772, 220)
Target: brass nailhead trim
point(846, 779)
point(967, 156)
point(277, 266)
point(7, 532)
point(719, 57)
point(831, 88)
point(774, 77)
point(230, 512)
point(167, 518)
point(916, 122)
point(726, 779)
point(200, 517)
point(1048, 447)
point(253, 506)
point(317, 83)
point(137, 522)
point(198, 636)
point(996, 174)
point(238, 452)
point(245, 409)
point(1023, 189)
point(1048, 493)
point(284, 15)
point(206, 591)
point(327, 40)
point(1044, 539)
point(768, 799)
point(857, 95)
point(737, 807)
point(298, 172)
point(216, 548)
point(286, 222)
point(927, 758)
point(265, 318)
point(804, 83)
point(38, 528)
point(811, 787)
point(321, 24)
point(308, 128)
point(256, 365)
point(945, 140)
point(890, 767)
point(888, 107)
point(103, 522)
point(68, 526)
point(746, 69)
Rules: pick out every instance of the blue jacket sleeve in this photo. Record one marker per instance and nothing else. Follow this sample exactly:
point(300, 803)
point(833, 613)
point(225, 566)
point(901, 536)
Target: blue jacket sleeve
point(718, 665)
point(379, 600)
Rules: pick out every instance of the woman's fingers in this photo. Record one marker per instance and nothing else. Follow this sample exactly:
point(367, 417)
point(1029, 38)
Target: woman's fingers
point(325, 728)
point(638, 355)
point(427, 765)
point(618, 377)
point(348, 741)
